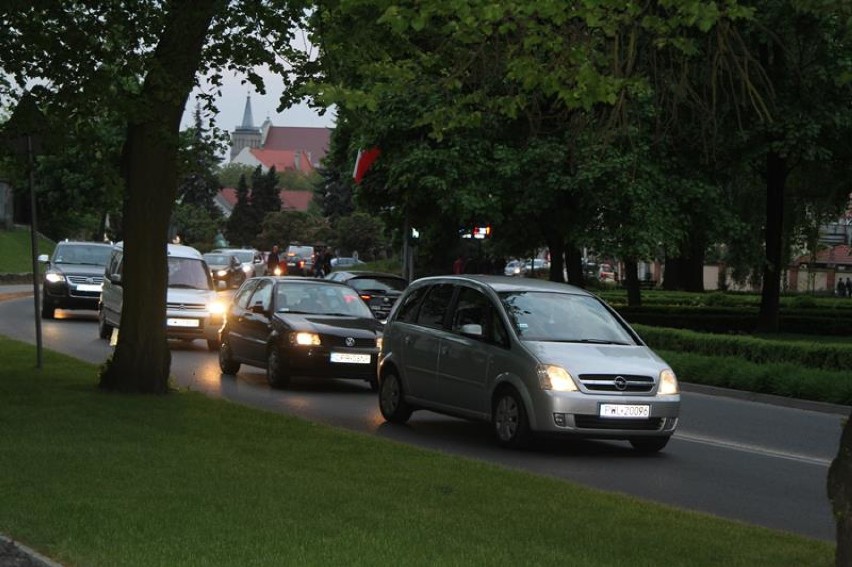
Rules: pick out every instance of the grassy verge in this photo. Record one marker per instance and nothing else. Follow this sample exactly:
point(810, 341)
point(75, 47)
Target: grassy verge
point(91, 478)
point(15, 255)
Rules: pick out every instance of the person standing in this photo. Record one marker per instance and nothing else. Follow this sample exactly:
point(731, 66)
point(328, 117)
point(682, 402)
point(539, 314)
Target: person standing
point(272, 260)
point(458, 265)
point(848, 287)
point(841, 287)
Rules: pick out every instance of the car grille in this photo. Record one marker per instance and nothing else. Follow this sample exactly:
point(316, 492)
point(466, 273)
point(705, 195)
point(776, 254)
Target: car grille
point(335, 341)
point(91, 280)
point(632, 383)
point(595, 422)
point(191, 307)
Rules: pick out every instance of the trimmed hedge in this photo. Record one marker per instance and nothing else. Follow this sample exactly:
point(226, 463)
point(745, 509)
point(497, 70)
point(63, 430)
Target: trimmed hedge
point(832, 357)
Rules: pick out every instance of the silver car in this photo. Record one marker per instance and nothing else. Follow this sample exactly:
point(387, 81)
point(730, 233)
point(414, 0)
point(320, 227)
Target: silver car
point(530, 356)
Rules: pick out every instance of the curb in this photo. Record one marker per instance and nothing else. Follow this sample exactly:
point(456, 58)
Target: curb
point(772, 399)
point(24, 556)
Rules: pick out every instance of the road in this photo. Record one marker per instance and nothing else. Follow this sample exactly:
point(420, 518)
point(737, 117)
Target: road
point(756, 462)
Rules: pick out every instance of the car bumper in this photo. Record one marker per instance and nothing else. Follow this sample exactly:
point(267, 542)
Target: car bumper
point(187, 327)
point(575, 413)
point(316, 362)
point(64, 296)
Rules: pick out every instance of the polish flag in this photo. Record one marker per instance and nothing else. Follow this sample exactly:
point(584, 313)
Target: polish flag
point(363, 162)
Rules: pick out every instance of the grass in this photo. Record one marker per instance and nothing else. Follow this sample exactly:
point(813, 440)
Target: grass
point(15, 246)
point(91, 478)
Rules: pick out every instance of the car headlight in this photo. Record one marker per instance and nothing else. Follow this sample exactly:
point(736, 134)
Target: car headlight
point(668, 383)
point(54, 277)
point(222, 273)
point(216, 307)
point(248, 269)
point(379, 343)
point(305, 339)
point(552, 377)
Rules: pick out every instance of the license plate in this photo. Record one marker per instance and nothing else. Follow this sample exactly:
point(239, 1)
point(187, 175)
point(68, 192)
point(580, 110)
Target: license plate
point(89, 287)
point(182, 322)
point(348, 358)
point(625, 411)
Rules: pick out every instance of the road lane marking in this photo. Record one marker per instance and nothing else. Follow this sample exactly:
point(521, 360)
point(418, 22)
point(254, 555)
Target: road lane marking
point(753, 449)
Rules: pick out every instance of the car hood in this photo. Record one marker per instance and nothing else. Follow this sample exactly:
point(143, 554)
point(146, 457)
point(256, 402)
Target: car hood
point(219, 266)
point(583, 358)
point(80, 269)
point(185, 295)
point(333, 324)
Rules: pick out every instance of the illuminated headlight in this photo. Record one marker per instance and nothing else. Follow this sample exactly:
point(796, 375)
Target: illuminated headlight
point(54, 277)
point(277, 270)
point(551, 377)
point(216, 307)
point(247, 269)
point(379, 343)
point(668, 383)
point(305, 339)
point(222, 273)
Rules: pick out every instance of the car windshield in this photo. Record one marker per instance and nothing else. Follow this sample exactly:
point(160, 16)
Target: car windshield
point(562, 317)
point(81, 254)
point(374, 284)
point(189, 273)
point(244, 255)
point(300, 251)
point(298, 297)
point(217, 259)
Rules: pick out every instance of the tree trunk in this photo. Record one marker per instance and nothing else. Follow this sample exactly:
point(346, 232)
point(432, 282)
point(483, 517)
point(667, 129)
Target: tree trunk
point(557, 265)
point(574, 261)
point(631, 282)
point(673, 276)
point(840, 494)
point(776, 176)
point(142, 360)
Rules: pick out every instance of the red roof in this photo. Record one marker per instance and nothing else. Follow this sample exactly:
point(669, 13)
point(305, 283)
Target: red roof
point(314, 141)
point(283, 160)
point(837, 255)
point(290, 200)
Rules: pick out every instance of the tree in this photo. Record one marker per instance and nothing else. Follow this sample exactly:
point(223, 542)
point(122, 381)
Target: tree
point(142, 58)
point(242, 224)
point(265, 197)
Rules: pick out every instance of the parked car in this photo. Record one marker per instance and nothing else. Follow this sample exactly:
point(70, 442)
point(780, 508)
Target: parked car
point(535, 265)
point(513, 268)
point(530, 356)
point(378, 289)
point(193, 310)
point(225, 269)
point(300, 260)
point(73, 276)
point(253, 261)
point(346, 262)
point(294, 326)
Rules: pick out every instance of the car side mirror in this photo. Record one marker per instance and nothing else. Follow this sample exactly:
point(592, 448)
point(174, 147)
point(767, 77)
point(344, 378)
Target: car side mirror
point(258, 308)
point(43, 258)
point(115, 278)
point(472, 329)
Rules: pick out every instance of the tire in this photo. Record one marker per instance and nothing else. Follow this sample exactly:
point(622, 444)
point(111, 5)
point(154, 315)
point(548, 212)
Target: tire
point(276, 374)
point(47, 310)
point(509, 420)
point(227, 364)
point(104, 328)
point(649, 444)
point(212, 345)
point(392, 402)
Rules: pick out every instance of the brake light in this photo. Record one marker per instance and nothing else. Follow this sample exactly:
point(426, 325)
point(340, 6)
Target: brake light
point(366, 297)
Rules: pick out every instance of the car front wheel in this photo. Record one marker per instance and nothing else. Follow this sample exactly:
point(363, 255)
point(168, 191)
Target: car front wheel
point(47, 310)
point(509, 419)
point(276, 374)
point(104, 329)
point(649, 444)
point(392, 402)
point(227, 364)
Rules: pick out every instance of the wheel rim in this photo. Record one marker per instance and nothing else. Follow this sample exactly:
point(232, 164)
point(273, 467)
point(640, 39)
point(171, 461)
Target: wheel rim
point(506, 418)
point(225, 355)
point(390, 394)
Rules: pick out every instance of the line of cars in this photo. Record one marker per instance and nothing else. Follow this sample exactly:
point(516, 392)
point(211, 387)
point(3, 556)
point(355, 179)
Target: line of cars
point(531, 357)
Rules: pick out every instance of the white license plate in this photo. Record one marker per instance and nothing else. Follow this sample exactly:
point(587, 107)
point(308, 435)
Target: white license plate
point(348, 358)
point(625, 411)
point(182, 322)
point(89, 287)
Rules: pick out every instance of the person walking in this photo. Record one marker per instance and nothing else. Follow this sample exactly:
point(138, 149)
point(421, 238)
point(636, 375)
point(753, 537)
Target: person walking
point(458, 265)
point(272, 260)
point(848, 287)
point(841, 287)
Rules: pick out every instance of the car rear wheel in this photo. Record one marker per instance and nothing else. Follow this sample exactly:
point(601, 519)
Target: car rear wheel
point(392, 402)
point(276, 374)
point(509, 418)
point(47, 310)
point(227, 364)
point(104, 328)
point(649, 444)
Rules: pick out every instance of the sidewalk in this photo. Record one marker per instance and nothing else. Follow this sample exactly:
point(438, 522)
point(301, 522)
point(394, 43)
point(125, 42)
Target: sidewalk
point(15, 291)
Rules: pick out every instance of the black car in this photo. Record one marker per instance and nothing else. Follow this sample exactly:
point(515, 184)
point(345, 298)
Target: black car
point(300, 260)
point(295, 326)
point(378, 289)
point(73, 277)
point(225, 268)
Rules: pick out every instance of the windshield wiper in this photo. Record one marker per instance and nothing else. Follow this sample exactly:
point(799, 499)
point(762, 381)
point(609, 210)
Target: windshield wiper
point(588, 341)
point(184, 286)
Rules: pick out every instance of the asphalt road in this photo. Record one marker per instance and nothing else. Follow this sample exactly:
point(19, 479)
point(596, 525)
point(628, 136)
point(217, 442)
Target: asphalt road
point(751, 461)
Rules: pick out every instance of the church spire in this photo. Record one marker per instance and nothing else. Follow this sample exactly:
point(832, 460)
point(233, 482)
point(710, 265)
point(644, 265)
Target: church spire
point(248, 121)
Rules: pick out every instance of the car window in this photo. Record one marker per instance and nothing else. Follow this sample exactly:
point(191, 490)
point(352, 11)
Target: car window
point(377, 283)
point(242, 296)
point(434, 307)
point(217, 259)
point(262, 295)
point(561, 317)
point(474, 307)
point(320, 300)
point(89, 254)
point(189, 273)
point(408, 309)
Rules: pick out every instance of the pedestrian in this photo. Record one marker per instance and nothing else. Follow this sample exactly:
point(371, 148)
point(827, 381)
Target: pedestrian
point(841, 287)
point(272, 260)
point(848, 287)
point(458, 265)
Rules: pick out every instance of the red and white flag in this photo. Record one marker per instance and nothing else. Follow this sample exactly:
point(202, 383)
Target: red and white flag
point(363, 162)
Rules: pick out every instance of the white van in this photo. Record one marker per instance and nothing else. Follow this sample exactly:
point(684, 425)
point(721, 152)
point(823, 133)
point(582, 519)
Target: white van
point(193, 309)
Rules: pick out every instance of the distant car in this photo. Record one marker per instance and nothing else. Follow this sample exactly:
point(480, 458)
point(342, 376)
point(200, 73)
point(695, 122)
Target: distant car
point(530, 356)
point(300, 260)
point(378, 289)
point(253, 261)
point(73, 277)
point(294, 326)
point(345, 262)
point(536, 265)
point(513, 268)
point(225, 268)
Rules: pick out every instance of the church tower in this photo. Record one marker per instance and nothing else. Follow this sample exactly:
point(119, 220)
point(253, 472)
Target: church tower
point(246, 134)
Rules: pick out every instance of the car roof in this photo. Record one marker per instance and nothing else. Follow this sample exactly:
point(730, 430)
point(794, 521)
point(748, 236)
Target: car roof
point(174, 251)
point(368, 274)
point(504, 284)
point(84, 242)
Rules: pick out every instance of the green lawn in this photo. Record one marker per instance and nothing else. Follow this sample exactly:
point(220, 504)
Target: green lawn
point(15, 255)
point(98, 479)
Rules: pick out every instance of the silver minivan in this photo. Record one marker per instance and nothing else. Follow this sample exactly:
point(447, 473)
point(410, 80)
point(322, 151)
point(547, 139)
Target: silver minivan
point(194, 310)
point(530, 356)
